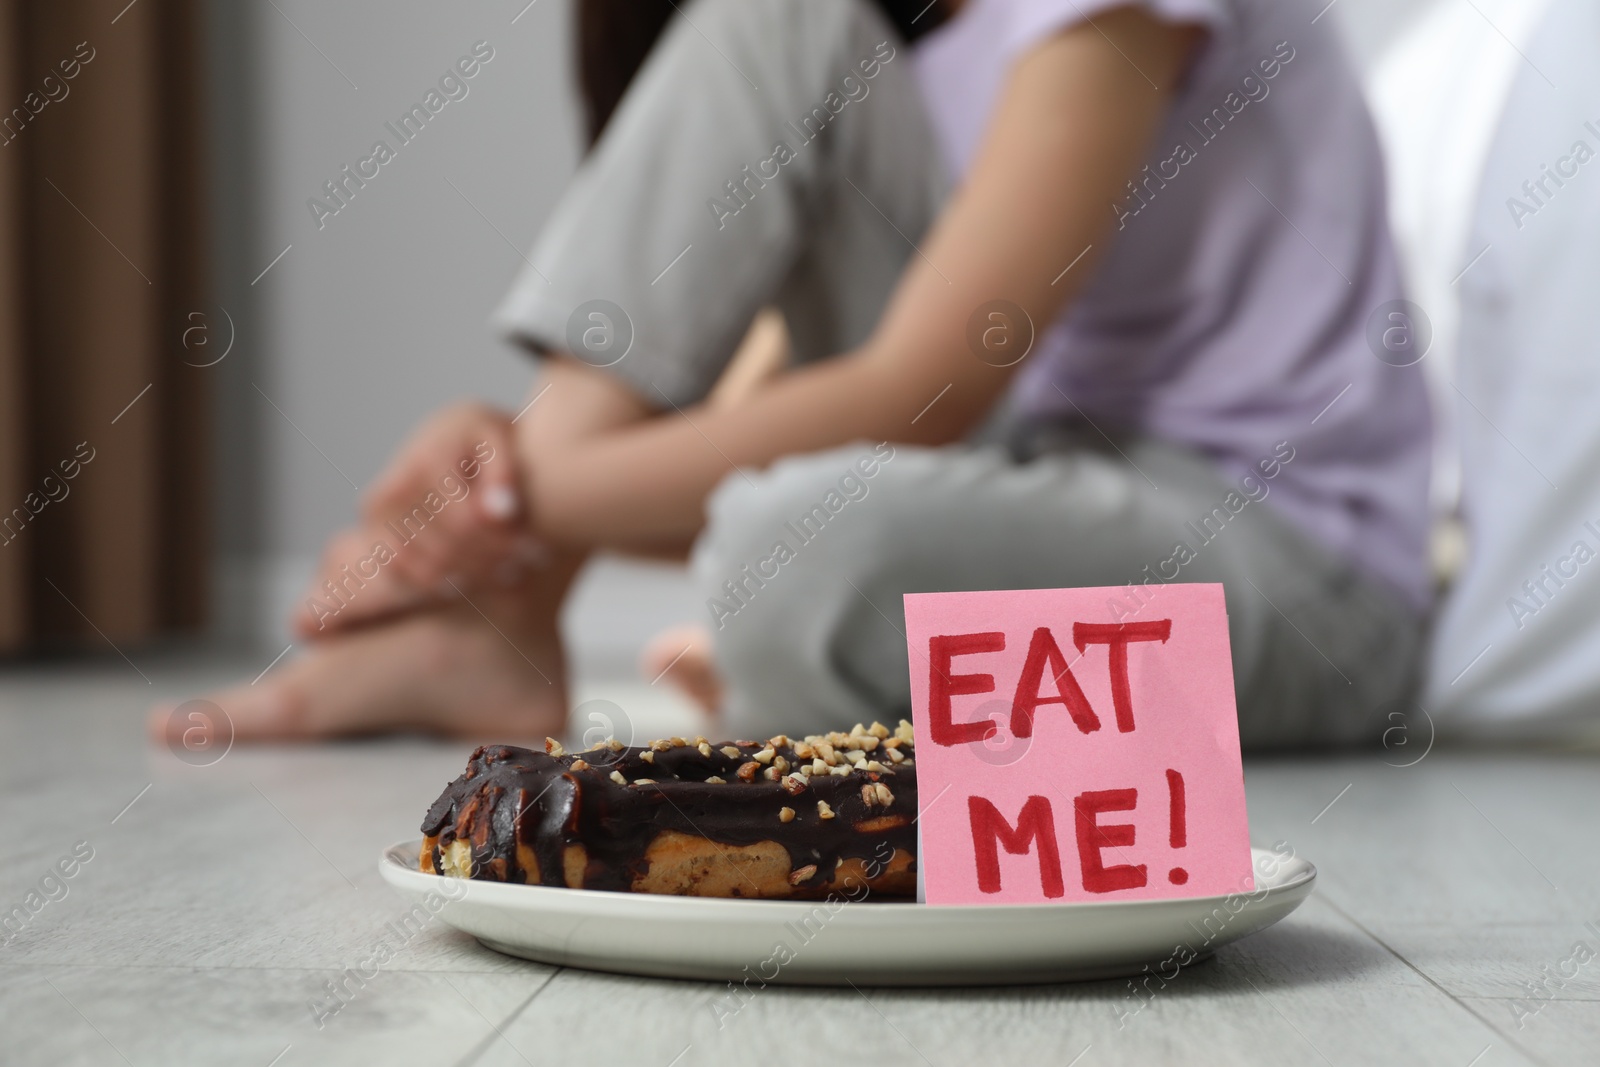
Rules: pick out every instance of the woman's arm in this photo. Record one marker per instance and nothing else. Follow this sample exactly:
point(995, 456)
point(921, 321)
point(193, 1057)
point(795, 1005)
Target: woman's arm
point(1073, 123)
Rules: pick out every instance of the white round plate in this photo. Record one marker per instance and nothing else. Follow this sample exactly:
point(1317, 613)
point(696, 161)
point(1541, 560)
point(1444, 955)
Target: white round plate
point(830, 944)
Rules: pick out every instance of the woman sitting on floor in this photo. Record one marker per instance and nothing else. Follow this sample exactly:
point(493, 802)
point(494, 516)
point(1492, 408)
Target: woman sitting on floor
point(1182, 198)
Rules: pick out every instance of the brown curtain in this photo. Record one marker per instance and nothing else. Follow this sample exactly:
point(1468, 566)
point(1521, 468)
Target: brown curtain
point(104, 525)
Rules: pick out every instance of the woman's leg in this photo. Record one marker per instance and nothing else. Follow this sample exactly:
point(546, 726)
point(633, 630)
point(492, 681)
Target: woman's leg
point(769, 152)
point(1321, 655)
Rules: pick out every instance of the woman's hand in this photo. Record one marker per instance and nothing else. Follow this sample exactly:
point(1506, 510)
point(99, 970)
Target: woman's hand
point(445, 517)
point(450, 502)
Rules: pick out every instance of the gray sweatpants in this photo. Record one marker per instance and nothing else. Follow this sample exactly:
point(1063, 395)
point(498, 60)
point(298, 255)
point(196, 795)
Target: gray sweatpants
point(776, 152)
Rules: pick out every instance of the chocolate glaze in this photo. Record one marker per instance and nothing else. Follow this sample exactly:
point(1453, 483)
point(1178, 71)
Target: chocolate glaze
point(509, 795)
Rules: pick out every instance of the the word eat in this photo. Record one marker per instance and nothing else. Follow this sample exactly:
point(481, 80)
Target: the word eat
point(1043, 654)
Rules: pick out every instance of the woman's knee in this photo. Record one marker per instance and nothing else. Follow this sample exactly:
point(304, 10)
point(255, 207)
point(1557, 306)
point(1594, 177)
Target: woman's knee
point(795, 569)
point(782, 548)
point(761, 524)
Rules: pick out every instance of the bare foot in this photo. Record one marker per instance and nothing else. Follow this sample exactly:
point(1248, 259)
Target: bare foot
point(682, 656)
point(446, 671)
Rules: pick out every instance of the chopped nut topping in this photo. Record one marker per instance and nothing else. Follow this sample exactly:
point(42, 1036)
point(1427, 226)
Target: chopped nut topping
point(786, 815)
point(678, 742)
point(878, 730)
point(644, 781)
point(818, 766)
point(874, 765)
point(884, 796)
point(893, 742)
point(804, 750)
point(827, 754)
point(615, 745)
point(553, 747)
point(857, 730)
point(648, 755)
point(730, 751)
point(841, 770)
point(660, 746)
point(616, 776)
point(855, 756)
point(836, 738)
point(747, 771)
point(717, 779)
point(903, 732)
point(802, 874)
point(869, 743)
point(869, 796)
point(793, 784)
point(580, 765)
point(779, 741)
point(704, 749)
point(909, 763)
point(763, 757)
point(782, 765)
point(896, 756)
point(823, 811)
point(770, 774)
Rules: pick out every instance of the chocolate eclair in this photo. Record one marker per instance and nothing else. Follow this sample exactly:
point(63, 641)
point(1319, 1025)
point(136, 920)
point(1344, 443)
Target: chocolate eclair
point(767, 819)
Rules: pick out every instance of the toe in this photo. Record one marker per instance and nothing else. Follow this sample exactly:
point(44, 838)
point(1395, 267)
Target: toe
point(682, 656)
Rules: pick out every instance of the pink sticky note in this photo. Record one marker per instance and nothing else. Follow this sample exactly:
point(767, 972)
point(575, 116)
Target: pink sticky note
point(1074, 745)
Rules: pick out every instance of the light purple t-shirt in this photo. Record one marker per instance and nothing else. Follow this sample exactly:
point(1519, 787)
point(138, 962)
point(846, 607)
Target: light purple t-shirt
point(1229, 311)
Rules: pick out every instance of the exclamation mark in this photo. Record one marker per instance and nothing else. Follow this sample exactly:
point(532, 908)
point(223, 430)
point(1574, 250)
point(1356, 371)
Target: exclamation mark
point(1177, 836)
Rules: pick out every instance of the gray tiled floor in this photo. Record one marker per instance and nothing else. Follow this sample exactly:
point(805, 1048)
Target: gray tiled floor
point(219, 904)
